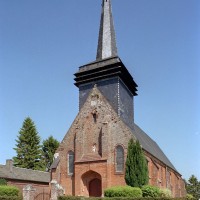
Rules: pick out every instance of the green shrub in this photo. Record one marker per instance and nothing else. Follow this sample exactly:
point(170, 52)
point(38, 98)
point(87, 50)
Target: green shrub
point(69, 198)
point(8, 190)
point(165, 193)
point(123, 191)
point(81, 198)
point(189, 196)
point(3, 181)
point(10, 198)
point(151, 191)
point(116, 198)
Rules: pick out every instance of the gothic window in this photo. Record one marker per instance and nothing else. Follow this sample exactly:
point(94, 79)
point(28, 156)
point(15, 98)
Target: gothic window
point(70, 162)
point(119, 159)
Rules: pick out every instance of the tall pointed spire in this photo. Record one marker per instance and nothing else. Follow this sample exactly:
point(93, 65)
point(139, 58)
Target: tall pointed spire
point(107, 43)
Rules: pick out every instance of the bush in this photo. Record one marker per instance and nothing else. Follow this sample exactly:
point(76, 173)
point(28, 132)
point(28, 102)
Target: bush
point(8, 190)
point(189, 196)
point(123, 191)
point(10, 198)
point(165, 193)
point(3, 181)
point(113, 198)
point(70, 198)
point(151, 191)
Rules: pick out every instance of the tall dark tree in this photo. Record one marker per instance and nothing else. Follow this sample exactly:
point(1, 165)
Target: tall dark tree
point(49, 147)
point(136, 165)
point(28, 147)
point(193, 187)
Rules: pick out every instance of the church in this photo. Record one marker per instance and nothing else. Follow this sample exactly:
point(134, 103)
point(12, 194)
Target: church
point(92, 154)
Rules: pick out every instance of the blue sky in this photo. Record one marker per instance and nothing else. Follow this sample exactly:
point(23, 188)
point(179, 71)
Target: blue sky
point(42, 44)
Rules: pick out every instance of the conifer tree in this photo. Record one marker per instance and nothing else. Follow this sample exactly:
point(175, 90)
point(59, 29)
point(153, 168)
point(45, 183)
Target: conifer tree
point(28, 147)
point(49, 147)
point(136, 165)
point(193, 187)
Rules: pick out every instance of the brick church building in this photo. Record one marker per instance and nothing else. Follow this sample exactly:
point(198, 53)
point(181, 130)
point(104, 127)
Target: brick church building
point(92, 154)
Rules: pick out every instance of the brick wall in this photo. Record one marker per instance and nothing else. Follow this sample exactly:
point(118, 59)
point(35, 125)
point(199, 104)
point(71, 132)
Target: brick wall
point(93, 137)
point(21, 177)
point(21, 184)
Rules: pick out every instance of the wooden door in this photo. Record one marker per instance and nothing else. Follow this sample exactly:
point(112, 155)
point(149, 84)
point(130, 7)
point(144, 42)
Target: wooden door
point(95, 188)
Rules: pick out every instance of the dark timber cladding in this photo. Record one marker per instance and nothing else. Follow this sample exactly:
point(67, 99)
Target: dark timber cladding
point(106, 68)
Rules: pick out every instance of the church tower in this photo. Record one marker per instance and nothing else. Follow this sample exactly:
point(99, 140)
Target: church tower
point(92, 155)
point(108, 72)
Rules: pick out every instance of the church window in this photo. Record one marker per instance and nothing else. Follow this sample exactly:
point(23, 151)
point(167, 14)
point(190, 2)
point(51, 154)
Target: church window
point(70, 163)
point(95, 117)
point(119, 161)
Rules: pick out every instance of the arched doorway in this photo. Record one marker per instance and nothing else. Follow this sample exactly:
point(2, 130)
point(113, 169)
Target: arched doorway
point(95, 188)
point(91, 184)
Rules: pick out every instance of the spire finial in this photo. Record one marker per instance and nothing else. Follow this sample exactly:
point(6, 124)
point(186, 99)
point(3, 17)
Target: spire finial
point(107, 43)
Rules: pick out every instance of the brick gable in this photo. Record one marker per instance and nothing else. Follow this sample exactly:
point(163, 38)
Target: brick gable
point(95, 133)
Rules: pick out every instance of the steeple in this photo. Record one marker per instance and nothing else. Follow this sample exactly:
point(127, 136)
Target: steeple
point(108, 72)
point(106, 43)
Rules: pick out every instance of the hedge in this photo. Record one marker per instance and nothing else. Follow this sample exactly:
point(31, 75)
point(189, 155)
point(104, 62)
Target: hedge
point(165, 192)
point(8, 190)
point(151, 191)
point(10, 198)
point(72, 198)
point(116, 198)
point(123, 191)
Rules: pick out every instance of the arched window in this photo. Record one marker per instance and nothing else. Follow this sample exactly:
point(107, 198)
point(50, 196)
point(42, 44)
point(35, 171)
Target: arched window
point(119, 159)
point(70, 162)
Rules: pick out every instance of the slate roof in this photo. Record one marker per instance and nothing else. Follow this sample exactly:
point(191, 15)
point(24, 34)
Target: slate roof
point(8, 171)
point(105, 68)
point(107, 42)
point(150, 145)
